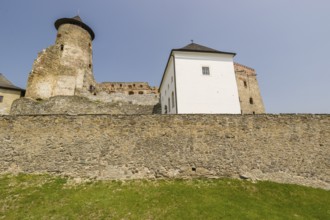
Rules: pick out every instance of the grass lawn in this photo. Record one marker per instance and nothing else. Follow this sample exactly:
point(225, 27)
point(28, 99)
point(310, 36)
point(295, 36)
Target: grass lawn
point(48, 197)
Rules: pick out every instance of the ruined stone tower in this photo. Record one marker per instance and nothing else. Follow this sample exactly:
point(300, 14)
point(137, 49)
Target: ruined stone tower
point(64, 68)
point(248, 90)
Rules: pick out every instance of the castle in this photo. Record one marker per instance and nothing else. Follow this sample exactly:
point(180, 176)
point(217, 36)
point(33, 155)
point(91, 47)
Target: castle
point(70, 125)
point(66, 69)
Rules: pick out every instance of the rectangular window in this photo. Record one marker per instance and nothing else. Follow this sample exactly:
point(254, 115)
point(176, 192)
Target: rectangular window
point(172, 99)
point(206, 70)
point(1, 98)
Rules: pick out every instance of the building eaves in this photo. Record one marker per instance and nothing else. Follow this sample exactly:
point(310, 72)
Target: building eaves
point(193, 47)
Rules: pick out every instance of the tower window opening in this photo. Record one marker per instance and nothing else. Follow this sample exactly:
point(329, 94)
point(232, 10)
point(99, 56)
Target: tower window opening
point(121, 85)
point(172, 99)
point(141, 86)
point(133, 85)
point(90, 65)
point(141, 93)
point(251, 100)
point(245, 84)
point(91, 88)
point(62, 47)
point(130, 93)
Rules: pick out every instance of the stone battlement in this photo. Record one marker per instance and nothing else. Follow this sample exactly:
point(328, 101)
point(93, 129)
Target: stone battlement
point(129, 88)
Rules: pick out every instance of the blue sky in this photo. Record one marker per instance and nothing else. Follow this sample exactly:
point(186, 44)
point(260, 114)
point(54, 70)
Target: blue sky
point(286, 41)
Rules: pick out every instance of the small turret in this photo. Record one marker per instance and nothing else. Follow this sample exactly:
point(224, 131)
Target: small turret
point(75, 21)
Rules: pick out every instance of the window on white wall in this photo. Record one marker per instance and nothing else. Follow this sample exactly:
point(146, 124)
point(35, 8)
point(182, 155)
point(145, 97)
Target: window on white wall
point(169, 105)
point(206, 70)
point(1, 98)
point(172, 99)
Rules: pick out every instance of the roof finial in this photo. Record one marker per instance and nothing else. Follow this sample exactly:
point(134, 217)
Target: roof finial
point(192, 41)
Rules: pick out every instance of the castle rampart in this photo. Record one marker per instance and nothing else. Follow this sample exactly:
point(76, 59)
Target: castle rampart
point(281, 148)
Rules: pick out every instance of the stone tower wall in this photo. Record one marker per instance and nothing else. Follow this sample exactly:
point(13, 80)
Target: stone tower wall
point(63, 68)
point(77, 53)
point(248, 90)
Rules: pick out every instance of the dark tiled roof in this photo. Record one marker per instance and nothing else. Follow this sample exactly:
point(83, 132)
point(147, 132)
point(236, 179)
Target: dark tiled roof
point(77, 18)
point(76, 21)
point(200, 48)
point(5, 83)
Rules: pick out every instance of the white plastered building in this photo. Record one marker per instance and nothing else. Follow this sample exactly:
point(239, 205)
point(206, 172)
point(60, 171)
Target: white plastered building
point(199, 80)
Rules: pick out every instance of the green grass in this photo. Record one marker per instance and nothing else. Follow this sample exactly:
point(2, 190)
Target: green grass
point(47, 197)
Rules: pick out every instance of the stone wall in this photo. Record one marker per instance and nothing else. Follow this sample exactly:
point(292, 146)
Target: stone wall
point(281, 148)
point(128, 88)
point(75, 105)
point(145, 99)
point(248, 90)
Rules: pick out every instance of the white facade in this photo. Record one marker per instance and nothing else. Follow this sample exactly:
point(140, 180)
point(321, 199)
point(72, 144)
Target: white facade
point(168, 91)
point(193, 92)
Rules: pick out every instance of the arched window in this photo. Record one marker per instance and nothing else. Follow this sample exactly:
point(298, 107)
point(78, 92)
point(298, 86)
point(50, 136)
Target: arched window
point(130, 93)
point(251, 100)
point(141, 92)
point(62, 47)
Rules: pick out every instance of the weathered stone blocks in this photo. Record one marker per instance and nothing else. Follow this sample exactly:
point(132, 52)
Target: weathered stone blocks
point(282, 148)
